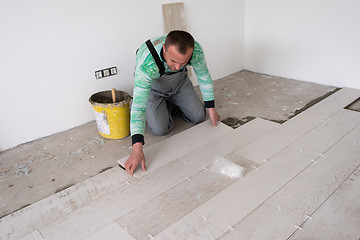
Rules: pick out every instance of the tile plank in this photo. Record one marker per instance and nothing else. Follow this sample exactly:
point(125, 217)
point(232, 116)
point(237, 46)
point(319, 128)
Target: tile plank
point(54, 207)
point(171, 148)
point(174, 16)
point(307, 191)
point(298, 126)
point(331, 104)
point(277, 169)
point(123, 200)
point(234, 203)
point(337, 218)
point(50, 209)
point(33, 236)
point(265, 222)
point(224, 145)
point(350, 189)
point(172, 205)
point(113, 231)
point(322, 137)
point(190, 227)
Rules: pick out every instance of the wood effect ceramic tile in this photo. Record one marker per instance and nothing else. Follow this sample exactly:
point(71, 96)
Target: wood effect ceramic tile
point(234, 203)
point(307, 191)
point(171, 148)
point(174, 16)
point(277, 139)
point(56, 206)
point(265, 222)
point(350, 189)
point(190, 227)
point(24, 221)
point(113, 231)
point(337, 218)
point(328, 106)
point(353, 137)
point(172, 205)
point(93, 188)
point(32, 236)
point(321, 138)
point(123, 200)
point(222, 146)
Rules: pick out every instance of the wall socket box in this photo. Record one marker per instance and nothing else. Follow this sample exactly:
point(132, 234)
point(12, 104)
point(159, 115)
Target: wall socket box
point(105, 72)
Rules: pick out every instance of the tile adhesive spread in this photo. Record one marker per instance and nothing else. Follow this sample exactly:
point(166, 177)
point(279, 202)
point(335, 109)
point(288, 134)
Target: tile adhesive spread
point(228, 168)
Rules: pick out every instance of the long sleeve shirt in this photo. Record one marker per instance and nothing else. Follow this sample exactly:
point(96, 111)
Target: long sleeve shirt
point(147, 71)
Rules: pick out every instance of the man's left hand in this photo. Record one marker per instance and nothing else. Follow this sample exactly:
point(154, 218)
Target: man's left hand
point(214, 116)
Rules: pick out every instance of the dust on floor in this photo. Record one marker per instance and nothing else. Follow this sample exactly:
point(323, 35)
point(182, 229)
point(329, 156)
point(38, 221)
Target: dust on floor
point(38, 169)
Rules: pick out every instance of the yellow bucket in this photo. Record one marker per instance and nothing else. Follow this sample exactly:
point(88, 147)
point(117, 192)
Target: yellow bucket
point(112, 113)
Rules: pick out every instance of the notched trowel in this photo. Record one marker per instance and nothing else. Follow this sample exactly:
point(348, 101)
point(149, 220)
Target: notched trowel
point(227, 167)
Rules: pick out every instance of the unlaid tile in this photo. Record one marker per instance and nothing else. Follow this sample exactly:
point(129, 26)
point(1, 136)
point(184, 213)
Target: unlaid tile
point(234, 203)
point(171, 148)
point(113, 231)
point(224, 145)
point(174, 16)
point(190, 227)
point(265, 222)
point(166, 209)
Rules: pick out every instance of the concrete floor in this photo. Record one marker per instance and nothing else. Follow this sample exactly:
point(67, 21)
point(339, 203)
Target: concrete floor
point(38, 169)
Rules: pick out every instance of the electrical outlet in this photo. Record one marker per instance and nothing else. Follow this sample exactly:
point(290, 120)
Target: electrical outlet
point(105, 72)
point(98, 74)
point(113, 71)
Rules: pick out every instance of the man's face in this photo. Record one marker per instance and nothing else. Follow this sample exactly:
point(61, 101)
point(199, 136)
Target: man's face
point(174, 59)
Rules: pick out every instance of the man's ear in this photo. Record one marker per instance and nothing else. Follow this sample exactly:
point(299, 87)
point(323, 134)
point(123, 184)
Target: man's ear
point(164, 49)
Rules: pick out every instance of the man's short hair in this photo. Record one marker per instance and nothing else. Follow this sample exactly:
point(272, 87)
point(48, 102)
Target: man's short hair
point(181, 40)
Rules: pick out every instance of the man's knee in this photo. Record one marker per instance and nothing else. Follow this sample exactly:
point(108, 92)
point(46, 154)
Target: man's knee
point(160, 130)
point(196, 117)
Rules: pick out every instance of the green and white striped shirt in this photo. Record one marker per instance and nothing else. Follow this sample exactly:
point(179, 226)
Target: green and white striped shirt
point(147, 71)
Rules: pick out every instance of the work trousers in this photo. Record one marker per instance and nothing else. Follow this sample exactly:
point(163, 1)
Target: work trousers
point(167, 91)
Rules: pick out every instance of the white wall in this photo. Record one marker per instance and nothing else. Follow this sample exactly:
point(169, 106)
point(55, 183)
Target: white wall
point(316, 41)
point(49, 51)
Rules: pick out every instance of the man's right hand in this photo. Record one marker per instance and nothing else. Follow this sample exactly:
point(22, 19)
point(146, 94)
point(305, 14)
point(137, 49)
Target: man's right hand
point(136, 157)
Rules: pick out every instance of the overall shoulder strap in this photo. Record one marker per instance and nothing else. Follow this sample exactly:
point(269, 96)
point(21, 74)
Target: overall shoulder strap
point(155, 55)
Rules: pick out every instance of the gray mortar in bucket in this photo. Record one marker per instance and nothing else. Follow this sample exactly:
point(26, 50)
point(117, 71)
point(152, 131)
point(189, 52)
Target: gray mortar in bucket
point(105, 98)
